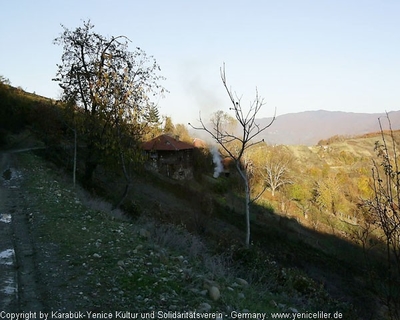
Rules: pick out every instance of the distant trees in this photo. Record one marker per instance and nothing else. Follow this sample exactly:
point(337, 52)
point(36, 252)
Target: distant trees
point(4, 80)
point(153, 115)
point(301, 194)
point(154, 123)
point(169, 126)
point(112, 86)
point(181, 133)
point(236, 144)
point(328, 195)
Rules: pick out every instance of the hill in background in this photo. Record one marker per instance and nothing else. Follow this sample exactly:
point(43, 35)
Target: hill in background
point(309, 127)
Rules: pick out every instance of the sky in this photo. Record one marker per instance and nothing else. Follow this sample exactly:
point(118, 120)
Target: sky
point(338, 55)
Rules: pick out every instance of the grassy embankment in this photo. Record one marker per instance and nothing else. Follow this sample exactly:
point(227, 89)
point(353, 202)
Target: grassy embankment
point(118, 264)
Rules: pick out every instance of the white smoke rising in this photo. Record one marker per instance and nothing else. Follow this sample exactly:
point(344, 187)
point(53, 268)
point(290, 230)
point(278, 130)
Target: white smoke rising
point(217, 161)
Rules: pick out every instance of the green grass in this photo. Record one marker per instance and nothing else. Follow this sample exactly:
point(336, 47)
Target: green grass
point(120, 267)
point(117, 266)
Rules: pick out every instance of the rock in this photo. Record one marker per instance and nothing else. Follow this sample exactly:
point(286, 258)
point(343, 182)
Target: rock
point(241, 295)
point(204, 307)
point(242, 282)
point(203, 292)
point(293, 310)
point(144, 233)
point(214, 293)
point(209, 283)
point(228, 309)
point(194, 290)
point(96, 255)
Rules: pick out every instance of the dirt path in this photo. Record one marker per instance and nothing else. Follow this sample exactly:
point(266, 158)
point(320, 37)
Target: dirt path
point(18, 289)
point(8, 272)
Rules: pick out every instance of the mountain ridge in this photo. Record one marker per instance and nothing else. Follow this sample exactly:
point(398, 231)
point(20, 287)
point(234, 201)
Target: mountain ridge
point(309, 127)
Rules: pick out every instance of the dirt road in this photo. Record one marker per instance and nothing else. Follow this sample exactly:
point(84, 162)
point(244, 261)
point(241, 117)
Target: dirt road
point(8, 270)
point(18, 290)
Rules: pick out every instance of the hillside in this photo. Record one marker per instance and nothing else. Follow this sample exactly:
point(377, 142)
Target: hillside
point(309, 127)
point(91, 259)
point(175, 240)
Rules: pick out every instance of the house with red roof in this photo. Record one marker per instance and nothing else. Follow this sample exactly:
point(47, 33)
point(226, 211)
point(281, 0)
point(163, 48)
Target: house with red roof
point(170, 157)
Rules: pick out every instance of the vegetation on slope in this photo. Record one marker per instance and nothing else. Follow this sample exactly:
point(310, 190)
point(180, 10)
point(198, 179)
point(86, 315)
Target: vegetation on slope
point(291, 227)
point(92, 258)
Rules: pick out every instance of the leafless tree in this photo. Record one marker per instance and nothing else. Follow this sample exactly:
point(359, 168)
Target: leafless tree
point(384, 206)
point(235, 144)
point(275, 170)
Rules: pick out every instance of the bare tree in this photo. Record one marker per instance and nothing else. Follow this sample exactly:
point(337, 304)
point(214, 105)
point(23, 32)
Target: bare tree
point(275, 170)
point(235, 144)
point(385, 210)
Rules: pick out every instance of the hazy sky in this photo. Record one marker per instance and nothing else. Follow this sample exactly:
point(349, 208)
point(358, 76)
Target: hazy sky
point(301, 55)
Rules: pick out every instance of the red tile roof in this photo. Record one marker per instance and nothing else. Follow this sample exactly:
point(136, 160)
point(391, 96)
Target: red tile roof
point(166, 143)
point(198, 143)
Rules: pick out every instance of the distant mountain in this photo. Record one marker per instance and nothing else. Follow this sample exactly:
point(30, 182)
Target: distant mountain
point(309, 127)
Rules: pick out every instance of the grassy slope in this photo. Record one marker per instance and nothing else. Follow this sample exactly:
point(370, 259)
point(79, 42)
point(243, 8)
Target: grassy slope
point(129, 264)
point(114, 266)
point(101, 263)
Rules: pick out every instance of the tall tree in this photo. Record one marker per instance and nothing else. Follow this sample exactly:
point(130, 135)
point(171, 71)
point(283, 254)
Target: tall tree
point(169, 126)
point(111, 84)
point(233, 143)
point(153, 116)
point(182, 133)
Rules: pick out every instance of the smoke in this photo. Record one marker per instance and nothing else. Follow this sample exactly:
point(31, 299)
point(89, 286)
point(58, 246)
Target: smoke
point(217, 161)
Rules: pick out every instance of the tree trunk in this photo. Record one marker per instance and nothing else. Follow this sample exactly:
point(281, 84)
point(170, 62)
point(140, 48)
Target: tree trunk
point(75, 155)
point(247, 191)
point(247, 205)
point(91, 163)
point(90, 166)
point(124, 195)
point(123, 165)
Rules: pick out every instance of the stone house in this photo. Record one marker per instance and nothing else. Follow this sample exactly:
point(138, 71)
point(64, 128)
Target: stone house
point(169, 156)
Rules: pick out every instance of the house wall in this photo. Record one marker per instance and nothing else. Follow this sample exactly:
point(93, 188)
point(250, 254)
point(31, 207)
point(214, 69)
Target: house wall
point(175, 164)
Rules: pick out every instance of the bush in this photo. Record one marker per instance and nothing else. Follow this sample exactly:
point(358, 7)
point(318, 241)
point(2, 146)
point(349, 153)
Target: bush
point(221, 186)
